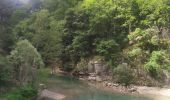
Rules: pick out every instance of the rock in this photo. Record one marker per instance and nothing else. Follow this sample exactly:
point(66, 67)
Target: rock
point(81, 79)
point(132, 90)
point(81, 73)
point(42, 86)
point(131, 42)
point(49, 95)
point(90, 78)
point(98, 67)
point(91, 67)
point(92, 74)
point(109, 84)
point(105, 83)
point(116, 85)
point(98, 79)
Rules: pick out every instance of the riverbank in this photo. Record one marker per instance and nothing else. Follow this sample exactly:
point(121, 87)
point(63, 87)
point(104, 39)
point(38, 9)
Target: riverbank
point(74, 89)
point(155, 93)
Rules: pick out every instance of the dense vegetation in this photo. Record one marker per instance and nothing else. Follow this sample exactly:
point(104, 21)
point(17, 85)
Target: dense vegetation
point(66, 32)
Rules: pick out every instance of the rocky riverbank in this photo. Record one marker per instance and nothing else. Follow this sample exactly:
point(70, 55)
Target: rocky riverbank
point(156, 93)
point(110, 86)
point(105, 83)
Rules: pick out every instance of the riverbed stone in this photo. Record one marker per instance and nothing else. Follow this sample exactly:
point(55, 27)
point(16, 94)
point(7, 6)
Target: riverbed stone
point(116, 85)
point(98, 79)
point(90, 78)
point(132, 89)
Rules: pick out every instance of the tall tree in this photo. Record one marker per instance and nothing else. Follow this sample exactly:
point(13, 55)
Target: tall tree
point(25, 60)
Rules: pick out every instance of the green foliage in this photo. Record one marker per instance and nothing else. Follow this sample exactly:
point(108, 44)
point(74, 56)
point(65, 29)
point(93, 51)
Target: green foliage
point(25, 93)
point(124, 74)
point(44, 32)
point(135, 52)
point(67, 31)
point(24, 52)
point(5, 70)
point(25, 60)
point(82, 66)
point(43, 75)
point(28, 91)
point(158, 60)
point(108, 47)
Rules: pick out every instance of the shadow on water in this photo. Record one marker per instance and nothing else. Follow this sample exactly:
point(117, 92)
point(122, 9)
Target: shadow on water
point(75, 89)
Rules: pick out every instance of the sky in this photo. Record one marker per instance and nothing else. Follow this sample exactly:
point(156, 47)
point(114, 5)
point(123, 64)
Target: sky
point(24, 1)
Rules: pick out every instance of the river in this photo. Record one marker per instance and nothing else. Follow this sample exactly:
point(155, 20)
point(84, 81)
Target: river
point(75, 89)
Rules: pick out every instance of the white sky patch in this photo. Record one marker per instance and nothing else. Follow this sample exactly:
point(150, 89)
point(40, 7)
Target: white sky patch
point(24, 1)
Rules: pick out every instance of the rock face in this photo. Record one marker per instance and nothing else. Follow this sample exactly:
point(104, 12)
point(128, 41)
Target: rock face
point(91, 67)
point(167, 77)
point(97, 67)
point(97, 70)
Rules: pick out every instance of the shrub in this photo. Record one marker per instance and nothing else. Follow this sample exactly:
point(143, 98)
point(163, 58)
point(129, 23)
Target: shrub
point(135, 52)
point(157, 62)
point(27, 92)
point(82, 65)
point(108, 47)
point(124, 74)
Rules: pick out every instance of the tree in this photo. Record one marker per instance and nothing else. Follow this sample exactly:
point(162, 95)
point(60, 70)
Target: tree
point(6, 37)
point(25, 60)
point(5, 70)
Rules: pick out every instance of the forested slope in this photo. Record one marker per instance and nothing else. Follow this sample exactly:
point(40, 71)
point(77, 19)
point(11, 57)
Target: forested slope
point(66, 32)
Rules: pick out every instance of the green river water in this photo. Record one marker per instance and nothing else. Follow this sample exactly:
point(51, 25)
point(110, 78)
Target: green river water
point(75, 89)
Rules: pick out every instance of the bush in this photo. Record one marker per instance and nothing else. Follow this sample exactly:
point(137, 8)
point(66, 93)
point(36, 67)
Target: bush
point(14, 96)
point(82, 66)
point(25, 93)
point(28, 91)
point(108, 47)
point(68, 67)
point(157, 62)
point(124, 74)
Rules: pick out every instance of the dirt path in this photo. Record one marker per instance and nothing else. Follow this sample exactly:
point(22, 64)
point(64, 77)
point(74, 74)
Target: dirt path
point(46, 94)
